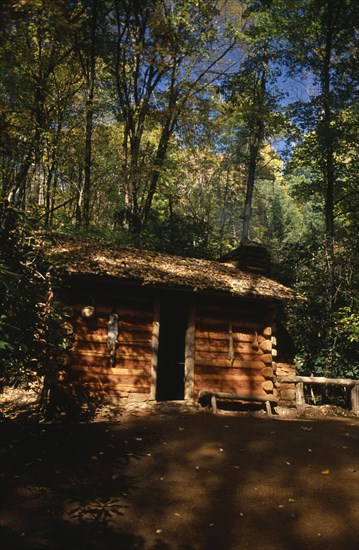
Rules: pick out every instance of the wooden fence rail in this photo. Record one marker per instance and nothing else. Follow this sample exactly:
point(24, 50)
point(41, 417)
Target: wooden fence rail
point(299, 382)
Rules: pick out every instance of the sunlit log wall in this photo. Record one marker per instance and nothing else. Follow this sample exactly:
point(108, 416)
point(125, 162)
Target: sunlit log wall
point(243, 366)
point(232, 351)
point(89, 362)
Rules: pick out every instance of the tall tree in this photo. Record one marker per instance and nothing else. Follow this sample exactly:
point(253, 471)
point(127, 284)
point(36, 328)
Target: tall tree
point(252, 100)
point(326, 56)
point(164, 55)
point(34, 47)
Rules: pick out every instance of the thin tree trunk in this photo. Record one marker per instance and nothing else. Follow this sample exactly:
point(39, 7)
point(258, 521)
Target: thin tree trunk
point(254, 148)
point(89, 120)
point(328, 151)
point(251, 176)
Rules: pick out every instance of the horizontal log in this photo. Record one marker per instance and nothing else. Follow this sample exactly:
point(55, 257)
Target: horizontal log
point(123, 350)
point(239, 396)
point(227, 363)
point(317, 380)
point(97, 387)
point(238, 377)
point(132, 381)
point(232, 311)
point(220, 371)
point(103, 319)
point(125, 362)
point(136, 355)
point(238, 336)
point(222, 325)
point(221, 346)
point(101, 333)
point(223, 360)
point(102, 325)
point(118, 371)
point(103, 310)
point(134, 337)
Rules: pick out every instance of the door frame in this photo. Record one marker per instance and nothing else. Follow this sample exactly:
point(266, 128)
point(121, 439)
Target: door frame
point(189, 350)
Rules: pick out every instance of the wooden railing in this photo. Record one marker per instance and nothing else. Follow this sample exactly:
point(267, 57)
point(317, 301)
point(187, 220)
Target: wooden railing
point(299, 382)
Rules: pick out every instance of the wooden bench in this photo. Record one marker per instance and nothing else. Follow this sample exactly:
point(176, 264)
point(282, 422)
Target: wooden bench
point(213, 396)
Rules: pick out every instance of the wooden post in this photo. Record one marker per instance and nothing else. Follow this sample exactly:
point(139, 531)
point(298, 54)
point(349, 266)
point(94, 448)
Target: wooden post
point(155, 345)
point(214, 404)
point(355, 398)
point(269, 409)
point(189, 352)
point(299, 394)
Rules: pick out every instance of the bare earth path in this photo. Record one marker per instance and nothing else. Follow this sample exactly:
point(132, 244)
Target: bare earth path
point(177, 481)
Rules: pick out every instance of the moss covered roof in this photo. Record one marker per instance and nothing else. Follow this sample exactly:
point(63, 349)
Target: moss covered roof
point(93, 258)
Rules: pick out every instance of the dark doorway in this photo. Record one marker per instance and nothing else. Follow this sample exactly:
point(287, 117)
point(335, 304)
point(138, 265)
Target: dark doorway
point(171, 353)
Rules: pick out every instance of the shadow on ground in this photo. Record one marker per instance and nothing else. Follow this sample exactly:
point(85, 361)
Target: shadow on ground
point(180, 481)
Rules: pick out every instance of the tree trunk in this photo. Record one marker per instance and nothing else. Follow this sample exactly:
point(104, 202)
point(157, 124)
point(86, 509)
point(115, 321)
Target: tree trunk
point(327, 139)
point(254, 146)
point(251, 176)
point(91, 77)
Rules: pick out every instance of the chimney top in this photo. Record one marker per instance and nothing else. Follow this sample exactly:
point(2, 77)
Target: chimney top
point(249, 256)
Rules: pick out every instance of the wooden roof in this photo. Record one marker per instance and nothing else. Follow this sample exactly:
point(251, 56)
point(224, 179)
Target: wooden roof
point(126, 264)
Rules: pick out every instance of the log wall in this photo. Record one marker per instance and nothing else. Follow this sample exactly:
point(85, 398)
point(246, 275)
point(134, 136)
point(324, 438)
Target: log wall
point(208, 365)
point(243, 366)
point(89, 360)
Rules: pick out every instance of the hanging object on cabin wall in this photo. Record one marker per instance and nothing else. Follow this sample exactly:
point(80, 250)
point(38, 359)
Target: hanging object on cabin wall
point(231, 355)
point(112, 337)
point(255, 344)
point(88, 312)
point(68, 312)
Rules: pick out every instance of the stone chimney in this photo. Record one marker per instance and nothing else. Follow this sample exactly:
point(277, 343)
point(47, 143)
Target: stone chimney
point(249, 256)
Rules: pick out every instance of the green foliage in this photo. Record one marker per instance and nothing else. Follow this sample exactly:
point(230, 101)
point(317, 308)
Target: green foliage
point(33, 337)
point(348, 323)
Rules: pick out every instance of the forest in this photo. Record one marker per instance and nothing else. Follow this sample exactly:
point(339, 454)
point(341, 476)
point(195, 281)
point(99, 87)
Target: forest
point(183, 126)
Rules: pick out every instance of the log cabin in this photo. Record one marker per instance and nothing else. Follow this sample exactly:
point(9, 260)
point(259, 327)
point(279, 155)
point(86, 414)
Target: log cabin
point(154, 326)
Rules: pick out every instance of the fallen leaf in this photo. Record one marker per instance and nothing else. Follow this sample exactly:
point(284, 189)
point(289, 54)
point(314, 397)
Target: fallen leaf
point(325, 472)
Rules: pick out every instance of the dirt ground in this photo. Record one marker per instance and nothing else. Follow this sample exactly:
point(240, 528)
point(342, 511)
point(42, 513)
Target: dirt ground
point(177, 479)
